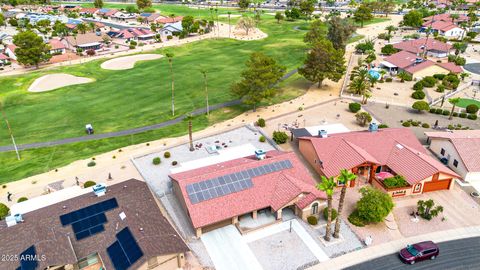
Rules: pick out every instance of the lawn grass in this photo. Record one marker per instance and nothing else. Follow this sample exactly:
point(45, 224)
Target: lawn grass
point(464, 102)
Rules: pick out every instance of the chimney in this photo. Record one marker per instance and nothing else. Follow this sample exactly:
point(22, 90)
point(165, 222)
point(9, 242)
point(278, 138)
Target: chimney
point(260, 154)
point(373, 127)
point(322, 133)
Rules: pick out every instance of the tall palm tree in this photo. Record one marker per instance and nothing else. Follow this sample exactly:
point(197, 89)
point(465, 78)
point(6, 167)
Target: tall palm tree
point(390, 29)
point(361, 85)
point(344, 178)
point(169, 55)
point(454, 102)
point(204, 72)
point(328, 186)
point(189, 118)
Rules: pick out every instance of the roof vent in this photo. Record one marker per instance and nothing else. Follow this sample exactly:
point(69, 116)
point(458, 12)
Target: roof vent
point(14, 220)
point(399, 146)
point(373, 127)
point(260, 154)
point(99, 189)
point(322, 133)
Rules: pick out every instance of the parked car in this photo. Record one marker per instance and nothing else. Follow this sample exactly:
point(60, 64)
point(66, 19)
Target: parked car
point(419, 252)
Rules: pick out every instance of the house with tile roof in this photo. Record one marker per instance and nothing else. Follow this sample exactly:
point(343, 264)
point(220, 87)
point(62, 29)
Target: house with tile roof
point(268, 182)
point(444, 25)
point(376, 154)
point(10, 51)
point(120, 229)
point(432, 47)
point(3, 59)
point(129, 34)
point(459, 149)
point(56, 47)
point(416, 65)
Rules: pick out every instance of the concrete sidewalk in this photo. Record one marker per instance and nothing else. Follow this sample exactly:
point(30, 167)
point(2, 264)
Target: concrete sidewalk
point(377, 251)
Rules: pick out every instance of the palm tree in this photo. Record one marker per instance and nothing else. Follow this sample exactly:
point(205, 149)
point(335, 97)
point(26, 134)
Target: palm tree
point(361, 84)
point(454, 17)
point(91, 26)
point(204, 72)
point(229, 25)
point(454, 102)
point(390, 29)
point(82, 28)
point(169, 55)
point(328, 186)
point(344, 178)
point(189, 118)
point(403, 76)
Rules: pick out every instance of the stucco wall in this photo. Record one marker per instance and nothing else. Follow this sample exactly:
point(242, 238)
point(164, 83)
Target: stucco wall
point(429, 71)
point(307, 211)
point(436, 146)
point(308, 152)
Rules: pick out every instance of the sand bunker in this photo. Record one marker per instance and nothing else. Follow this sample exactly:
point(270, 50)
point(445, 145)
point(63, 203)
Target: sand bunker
point(55, 81)
point(128, 62)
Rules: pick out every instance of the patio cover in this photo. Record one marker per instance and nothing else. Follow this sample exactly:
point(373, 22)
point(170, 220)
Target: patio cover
point(387, 64)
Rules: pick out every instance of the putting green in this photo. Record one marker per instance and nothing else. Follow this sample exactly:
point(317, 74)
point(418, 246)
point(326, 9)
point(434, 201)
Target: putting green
point(464, 102)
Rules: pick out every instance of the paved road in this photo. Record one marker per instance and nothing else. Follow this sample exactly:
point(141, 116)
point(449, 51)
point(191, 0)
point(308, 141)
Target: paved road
point(7, 148)
point(457, 254)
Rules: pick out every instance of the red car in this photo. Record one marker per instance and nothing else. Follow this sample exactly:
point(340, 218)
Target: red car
point(419, 252)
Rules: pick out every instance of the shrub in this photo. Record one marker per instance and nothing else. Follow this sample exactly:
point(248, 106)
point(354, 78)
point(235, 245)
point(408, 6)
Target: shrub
point(455, 114)
point(438, 111)
point(3, 210)
point(418, 86)
point(174, 163)
point(439, 76)
point(415, 123)
point(166, 155)
point(472, 108)
point(363, 118)
point(446, 112)
point(334, 213)
point(383, 126)
point(312, 220)
point(354, 107)
point(89, 184)
point(4, 186)
point(280, 137)
point(169, 37)
point(421, 106)
point(395, 181)
point(388, 49)
point(425, 125)
point(472, 116)
point(440, 88)
point(429, 81)
point(432, 110)
point(261, 122)
point(463, 115)
point(22, 199)
point(374, 205)
point(406, 124)
point(355, 219)
point(428, 210)
point(91, 164)
point(262, 139)
point(418, 95)
point(451, 127)
point(388, 79)
point(156, 161)
point(131, 47)
point(451, 81)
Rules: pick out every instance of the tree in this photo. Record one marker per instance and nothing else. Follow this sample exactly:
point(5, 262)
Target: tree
point(3, 211)
point(339, 31)
point(31, 50)
point(374, 205)
point(246, 23)
point(82, 28)
point(142, 4)
point(2, 20)
point(204, 73)
point(169, 55)
point(427, 209)
point(363, 118)
point(279, 16)
point(421, 106)
point(344, 178)
point(307, 7)
point(454, 102)
point(258, 79)
point(390, 29)
point(317, 32)
point(328, 186)
point(388, 49)
point(187, 24)
point(98, 3)
point(413, 19)
point(386, 6)
point(361, 84)
point(362, 14)
point(189, 118)
point(243, 4)
point(454, 17)
point(323, 62)
point(292, 14)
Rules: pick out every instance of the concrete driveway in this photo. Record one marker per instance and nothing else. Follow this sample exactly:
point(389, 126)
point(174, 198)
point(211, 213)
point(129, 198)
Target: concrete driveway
point(228, 250)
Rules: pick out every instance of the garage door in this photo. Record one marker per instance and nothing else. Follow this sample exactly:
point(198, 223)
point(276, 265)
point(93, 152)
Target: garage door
point(436, 185)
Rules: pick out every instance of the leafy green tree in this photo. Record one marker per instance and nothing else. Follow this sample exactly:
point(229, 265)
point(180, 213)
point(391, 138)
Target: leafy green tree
point(317, 32)
point(307, 7)
point(328, 186)
point(386, 6)
point(388, 49)
point(31, 50)
point(98, 3)
point(390, 29)
point(243, 4)
point(292, 14)
point(362, 14)
point(2, 20)
point(413, 18)
point(421, 106)
point(339, 31)
point(363, 118)
point(142, 4)
point(187, 24)
point(279, 16)
point(82, 28)
point(258, 79)
point(428, 210)
point(131, 9)
point(454, 102)
point(323, 62)
point(344, 179)
point(60, 29)
point(3, 211)
point(374, 205)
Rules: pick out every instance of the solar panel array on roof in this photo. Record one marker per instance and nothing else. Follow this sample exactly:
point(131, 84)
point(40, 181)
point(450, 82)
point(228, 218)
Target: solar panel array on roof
point(28, 259)
point(125, 251)
point(230, 183)
point(89, 220)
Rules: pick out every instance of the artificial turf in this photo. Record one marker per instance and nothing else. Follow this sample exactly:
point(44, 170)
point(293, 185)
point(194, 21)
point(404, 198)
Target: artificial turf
point(464, 102)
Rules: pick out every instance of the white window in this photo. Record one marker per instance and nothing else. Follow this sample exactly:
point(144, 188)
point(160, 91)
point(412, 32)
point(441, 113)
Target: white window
point(314, 208)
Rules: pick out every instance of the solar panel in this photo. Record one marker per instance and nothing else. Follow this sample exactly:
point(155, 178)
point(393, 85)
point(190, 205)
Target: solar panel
point(28, 259)
point(125, 251)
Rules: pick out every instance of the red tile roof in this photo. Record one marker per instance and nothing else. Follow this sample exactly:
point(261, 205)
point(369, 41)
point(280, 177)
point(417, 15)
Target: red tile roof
point(397, 148)
point(417, 45)
point(56, 44)
point(89, 10)
point(407, 61)
point(446, 17)
point(169, 20)
point(451, 67)
point(467, 144)
point(12, 47)
point(402, 59)
point(440, 25)
point(414, 68)
point(3, 56)
point(111, 12)
point(270, 190)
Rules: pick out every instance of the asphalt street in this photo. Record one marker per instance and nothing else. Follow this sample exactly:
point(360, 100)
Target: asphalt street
point(457, 254)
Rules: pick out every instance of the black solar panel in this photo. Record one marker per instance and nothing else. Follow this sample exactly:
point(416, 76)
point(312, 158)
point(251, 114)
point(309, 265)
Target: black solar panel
point(230, 183)
point(28, 259)
point(125, 251)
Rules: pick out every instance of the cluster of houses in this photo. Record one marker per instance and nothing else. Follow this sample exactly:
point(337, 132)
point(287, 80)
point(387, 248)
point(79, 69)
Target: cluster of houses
point(445, 25)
